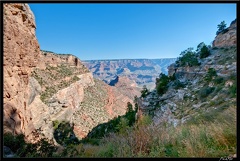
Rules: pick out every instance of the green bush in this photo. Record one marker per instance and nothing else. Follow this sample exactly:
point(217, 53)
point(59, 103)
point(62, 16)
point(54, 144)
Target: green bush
point(210, 74)
point(14, 142)
point(144, 91)
point(75, 78)
point(107, 151)
point(130, 114)
point(162, 84)
point(221, 28)
point(218, 80)
point(173, 77)
point(42, 148)
point(188, 58)
point(123, 125)
point(47, 93)
point(55, 124)
point(17, 144)
point(204, 52)
point(177, 84)
point(171, 151)
point(64, 134)
point(233, 90)
point(64, 70)
point(205, 91)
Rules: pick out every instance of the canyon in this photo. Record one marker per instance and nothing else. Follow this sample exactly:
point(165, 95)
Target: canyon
point(141, 71)
point(42, 87)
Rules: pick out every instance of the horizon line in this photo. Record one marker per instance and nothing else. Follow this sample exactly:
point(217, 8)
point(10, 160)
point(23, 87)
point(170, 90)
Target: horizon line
point(125, 59)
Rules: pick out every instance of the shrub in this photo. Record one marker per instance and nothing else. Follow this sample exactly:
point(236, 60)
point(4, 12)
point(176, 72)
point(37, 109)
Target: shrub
point(123, 125)
point(233, 90)
point(64, 134)
point(75, 78)
point(13, 142)
point(145, 120)
point(171, 151)
point(130, 114)
point(47, 93)
point(64, 70)
point(162, 84)
point(204, 52)
point(199, 47)
point(221, 27)
point(210, 74)
point(218, 80)
point(173, 77)
point(205, 91)
point(189, 58)
point(177, 84)
point(107, 151)
point(43, 148)
point(55, 124)
point(144, 91)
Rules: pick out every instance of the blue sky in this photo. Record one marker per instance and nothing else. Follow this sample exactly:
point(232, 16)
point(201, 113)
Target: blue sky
point(128, 31)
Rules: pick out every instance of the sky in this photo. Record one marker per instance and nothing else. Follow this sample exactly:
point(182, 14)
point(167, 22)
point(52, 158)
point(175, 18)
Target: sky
point(128, 31)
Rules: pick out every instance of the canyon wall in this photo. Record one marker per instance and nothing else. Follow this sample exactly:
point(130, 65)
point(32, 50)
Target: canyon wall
point(42, 87)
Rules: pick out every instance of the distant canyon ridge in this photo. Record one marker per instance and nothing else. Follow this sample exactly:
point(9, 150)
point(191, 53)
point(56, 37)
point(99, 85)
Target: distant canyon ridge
point(141, 71)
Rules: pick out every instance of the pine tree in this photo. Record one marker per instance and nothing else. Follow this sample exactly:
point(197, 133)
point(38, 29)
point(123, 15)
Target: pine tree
point(221, 27)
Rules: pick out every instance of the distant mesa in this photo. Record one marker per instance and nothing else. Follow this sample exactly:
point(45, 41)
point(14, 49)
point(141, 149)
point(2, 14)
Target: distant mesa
point(141, 71)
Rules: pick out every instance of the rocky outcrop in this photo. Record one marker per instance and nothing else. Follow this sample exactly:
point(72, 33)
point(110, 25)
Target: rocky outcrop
point(223, 60)
point(228, 38)
point(194, 92)
point(75, 96)
point(61, 106)
point(21, 54)
point(53, 59)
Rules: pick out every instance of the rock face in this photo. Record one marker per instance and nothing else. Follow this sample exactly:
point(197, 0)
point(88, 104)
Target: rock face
point(53, 59)
point(70, 93)
point(201, 93)
point(228, 38)
point(222, 60)
point(142, 71)
point(21, 54)
point(42, 87)
point(126, 86)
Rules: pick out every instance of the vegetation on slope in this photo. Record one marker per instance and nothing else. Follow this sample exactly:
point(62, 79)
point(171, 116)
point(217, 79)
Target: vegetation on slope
point(57, 76)
point(216, 138)
point(209, 131)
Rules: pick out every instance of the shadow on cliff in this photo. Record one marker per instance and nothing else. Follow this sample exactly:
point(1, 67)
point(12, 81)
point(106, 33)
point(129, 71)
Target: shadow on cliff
point(115, 125)
point(64, 135)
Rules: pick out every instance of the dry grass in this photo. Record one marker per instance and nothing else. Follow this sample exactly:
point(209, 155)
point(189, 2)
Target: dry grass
point(210, 139)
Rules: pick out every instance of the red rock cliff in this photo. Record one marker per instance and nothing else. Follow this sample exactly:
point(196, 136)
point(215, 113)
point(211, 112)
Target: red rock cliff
point(21, 53)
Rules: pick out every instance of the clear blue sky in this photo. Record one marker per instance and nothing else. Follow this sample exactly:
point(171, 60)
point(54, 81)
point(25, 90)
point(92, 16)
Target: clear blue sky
point(127, 31)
